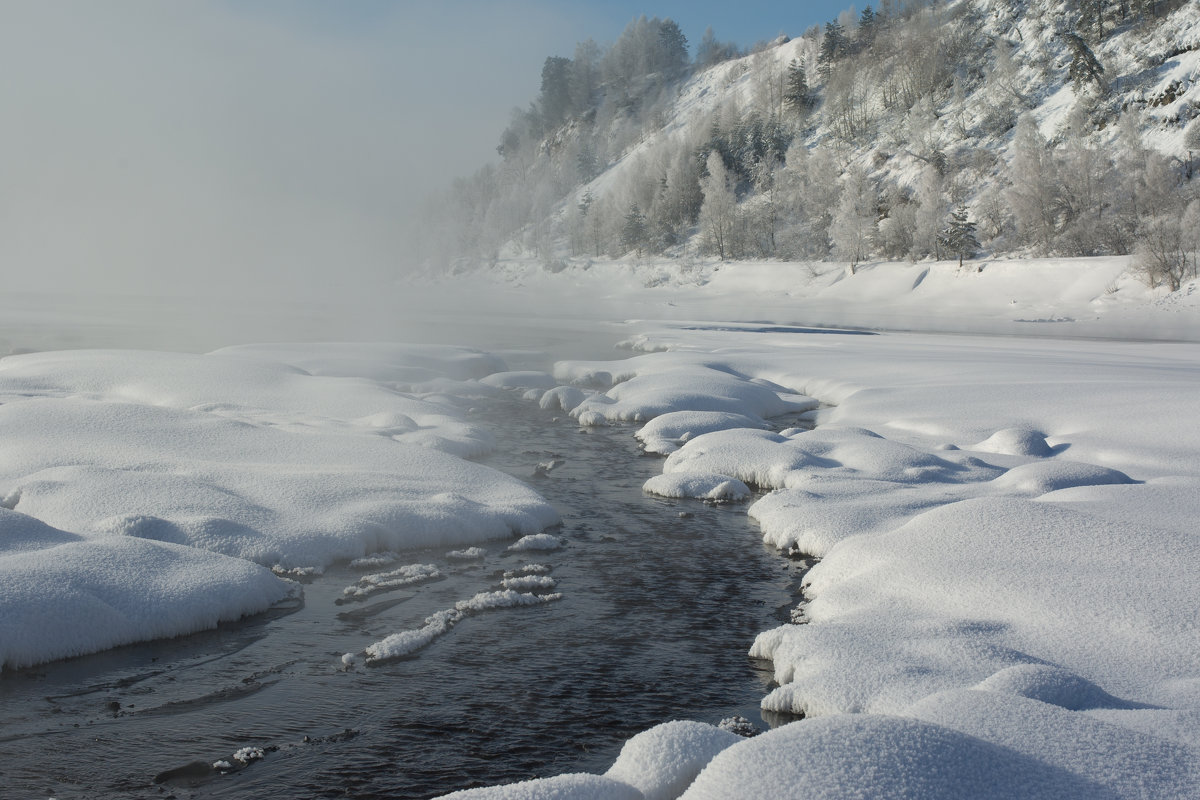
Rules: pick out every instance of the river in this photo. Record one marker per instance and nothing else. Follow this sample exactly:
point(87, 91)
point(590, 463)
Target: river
point(660, 602)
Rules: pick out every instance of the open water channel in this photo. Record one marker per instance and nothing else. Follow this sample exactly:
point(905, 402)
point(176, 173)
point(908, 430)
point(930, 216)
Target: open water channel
point(661, 601)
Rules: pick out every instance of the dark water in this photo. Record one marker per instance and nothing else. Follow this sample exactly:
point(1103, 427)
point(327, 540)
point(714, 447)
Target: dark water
point(661, 602)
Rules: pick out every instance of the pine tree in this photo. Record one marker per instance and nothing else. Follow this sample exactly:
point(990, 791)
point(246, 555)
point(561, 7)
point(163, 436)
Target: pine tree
point(1084, 67)
point(796, 94)
point(833, 46)
point(633, 232)
point(958, 237)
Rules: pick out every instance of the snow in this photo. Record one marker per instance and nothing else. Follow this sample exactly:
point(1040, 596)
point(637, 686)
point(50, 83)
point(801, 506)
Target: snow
point(666, 432)
point(62, 595)
point(536, 542)
point(663, 761)
point(246, 458)
point(698, 485)
point(1006, 533)
point(164, 483)
point(407, 575)
point(439, 623)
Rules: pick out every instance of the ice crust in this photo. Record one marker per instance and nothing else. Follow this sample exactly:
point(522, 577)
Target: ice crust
point(204, 467)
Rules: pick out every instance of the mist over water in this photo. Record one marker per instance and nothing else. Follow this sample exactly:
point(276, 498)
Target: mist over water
point(267, 150)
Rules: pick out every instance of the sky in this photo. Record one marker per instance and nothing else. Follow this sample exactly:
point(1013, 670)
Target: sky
point(270, 146)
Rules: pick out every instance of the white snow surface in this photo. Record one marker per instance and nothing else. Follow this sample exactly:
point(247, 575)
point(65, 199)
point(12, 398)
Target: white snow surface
point(62, 595)
point(1005, 601)
point(164, 479)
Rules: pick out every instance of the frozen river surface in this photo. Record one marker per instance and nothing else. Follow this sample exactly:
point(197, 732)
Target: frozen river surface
point(661, 601)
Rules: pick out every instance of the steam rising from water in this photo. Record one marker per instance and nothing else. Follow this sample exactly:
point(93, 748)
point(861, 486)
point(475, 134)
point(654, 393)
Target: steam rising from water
point(225, 149)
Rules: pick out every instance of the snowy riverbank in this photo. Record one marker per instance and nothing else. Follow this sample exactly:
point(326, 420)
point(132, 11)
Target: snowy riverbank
point(1006, 524)
point(1005, 602)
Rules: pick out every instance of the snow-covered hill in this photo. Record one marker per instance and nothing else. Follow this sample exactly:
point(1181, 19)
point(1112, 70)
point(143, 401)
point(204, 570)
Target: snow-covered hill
point(1052, 135)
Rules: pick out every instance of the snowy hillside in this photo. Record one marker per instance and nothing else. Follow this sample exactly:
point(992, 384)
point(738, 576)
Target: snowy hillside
point(992, 128)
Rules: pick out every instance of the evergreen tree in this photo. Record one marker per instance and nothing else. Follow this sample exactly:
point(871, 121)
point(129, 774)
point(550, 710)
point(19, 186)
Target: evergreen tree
point(555, 100)
point(958, 237)
point(633, 232)
point(796, 93)
point(833, 46)
point(1084, 67)
point(867, 28)
point(674, 46)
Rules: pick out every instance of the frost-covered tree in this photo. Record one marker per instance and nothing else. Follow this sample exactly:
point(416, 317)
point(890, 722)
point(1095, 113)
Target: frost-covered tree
point(796, 94)
point(718, 213)
point(853, 227)
point(634, 232)
point(958, 237)
point(1033, 186)
point(1084, 68)
point(930, 214)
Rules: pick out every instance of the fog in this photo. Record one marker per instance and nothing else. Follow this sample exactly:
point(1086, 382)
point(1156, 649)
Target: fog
point(273, 150)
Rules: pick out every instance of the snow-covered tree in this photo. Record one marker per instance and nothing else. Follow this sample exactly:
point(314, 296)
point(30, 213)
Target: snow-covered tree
point(958, 237)
point(718, 214)
point(853, 227)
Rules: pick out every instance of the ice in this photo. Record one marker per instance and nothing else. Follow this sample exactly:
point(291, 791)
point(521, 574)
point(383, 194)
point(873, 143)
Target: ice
point(375, 560)
point(468, 554)
point(562, 398)
point(440, 622)
point(540, 542)
point(529, 583)
point(393, 579)
point(698, 485)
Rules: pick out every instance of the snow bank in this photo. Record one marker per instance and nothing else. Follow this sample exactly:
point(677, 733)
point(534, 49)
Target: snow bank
point(1006, 598)
point(245, 455)
point(664, 384)
point(577, 786)
point(666, 432)
point(663, 761)
point(698, 485)
point(62, 596)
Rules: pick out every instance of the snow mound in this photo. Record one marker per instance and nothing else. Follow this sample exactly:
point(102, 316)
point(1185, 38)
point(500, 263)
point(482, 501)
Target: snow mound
point(1041, 477)
point(539, 542)
point(698, 485)
point(771, 461)
point(574, 786)
point(1052, 685)
point(562, 398)
point(1016, 442)
point(528, 379)
point(968, 589)
point(666, 432)
point(662, 761)
point(254, 491)
point(81, 597)
point(855, 756)
point(687, 387)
